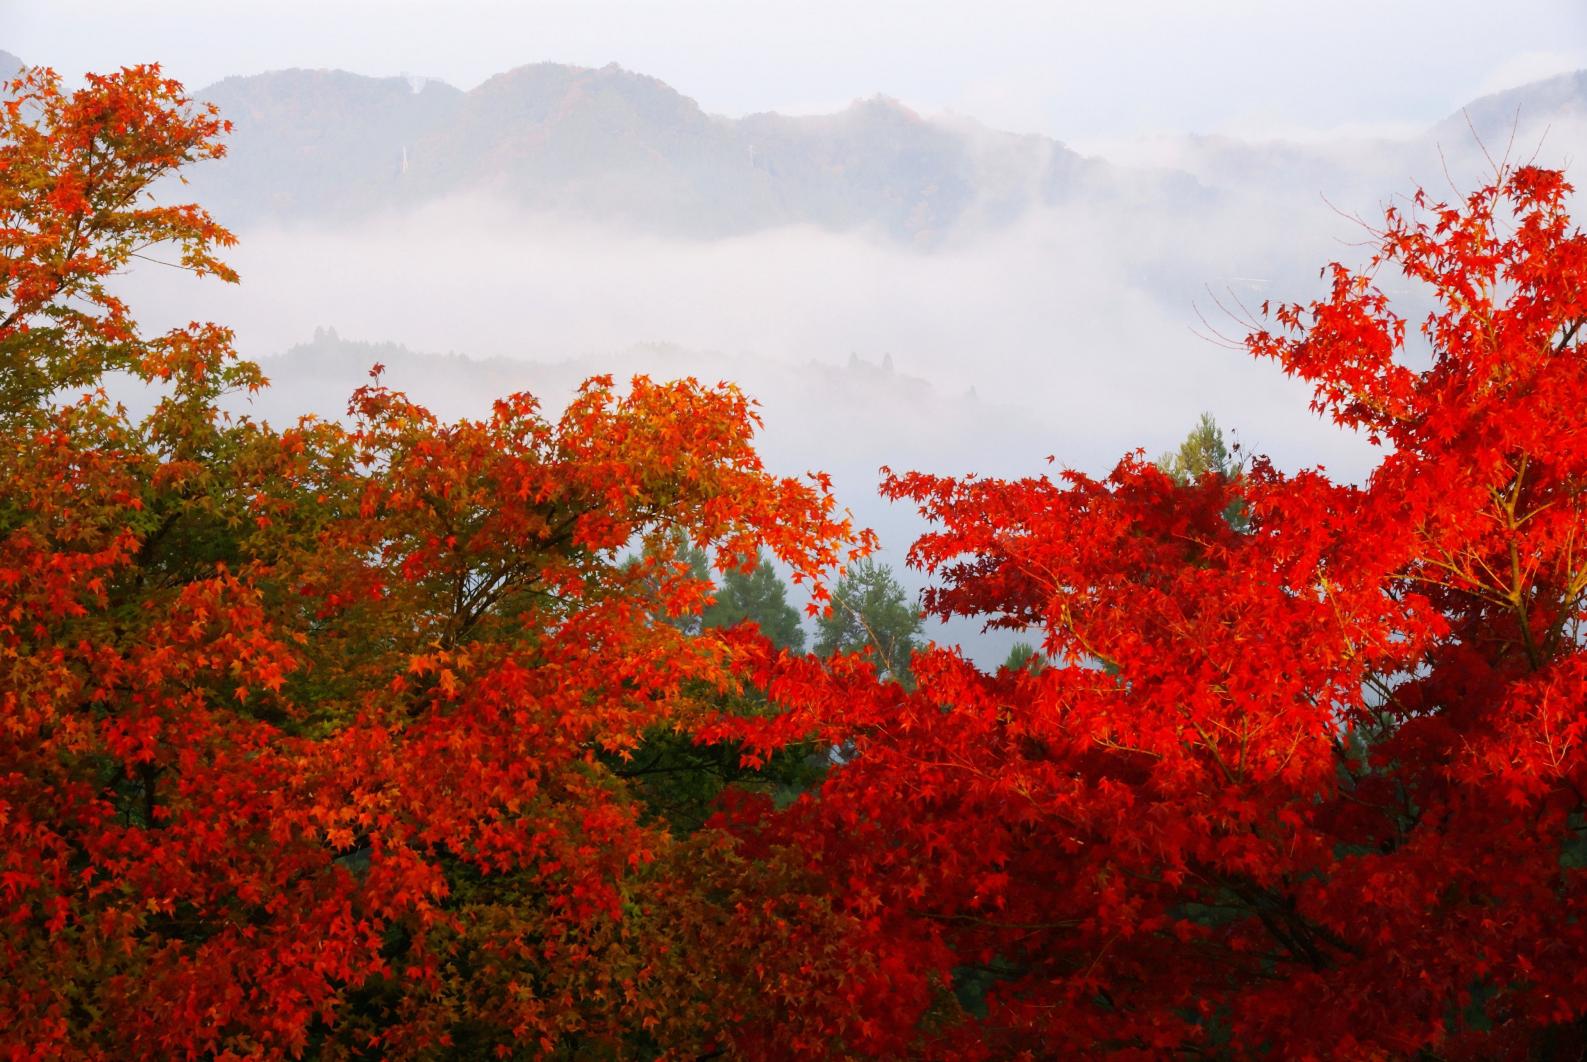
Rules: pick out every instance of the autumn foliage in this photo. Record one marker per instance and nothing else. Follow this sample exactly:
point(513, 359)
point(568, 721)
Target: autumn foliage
point(314, 737)
point(340, 740)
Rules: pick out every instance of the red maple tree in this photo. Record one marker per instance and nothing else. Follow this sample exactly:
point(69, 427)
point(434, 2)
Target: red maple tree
point(313, 739)
point(1308, 778)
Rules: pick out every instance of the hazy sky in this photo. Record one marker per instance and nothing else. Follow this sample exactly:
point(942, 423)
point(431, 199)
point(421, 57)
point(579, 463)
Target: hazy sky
point(1085, 72)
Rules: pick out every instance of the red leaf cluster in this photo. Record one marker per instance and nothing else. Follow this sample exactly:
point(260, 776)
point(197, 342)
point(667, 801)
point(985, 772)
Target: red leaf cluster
point(1306, 777)
point(315, 741)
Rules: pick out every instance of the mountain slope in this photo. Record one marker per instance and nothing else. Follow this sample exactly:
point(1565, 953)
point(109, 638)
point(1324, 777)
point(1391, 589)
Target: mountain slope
point(1552, 112)
point(616, 146)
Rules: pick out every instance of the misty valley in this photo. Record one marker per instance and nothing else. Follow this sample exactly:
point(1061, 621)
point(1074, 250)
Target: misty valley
point(544, 570)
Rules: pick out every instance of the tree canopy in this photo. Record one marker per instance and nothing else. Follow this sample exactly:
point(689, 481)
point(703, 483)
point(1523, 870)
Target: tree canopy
point(310, 732)
point(1324, 796)
point(348, 739)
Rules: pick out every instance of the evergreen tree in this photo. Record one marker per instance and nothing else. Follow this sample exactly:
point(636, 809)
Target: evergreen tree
point(1203, 451)
point(872, 612)
point(1024, 657)
point(760, 596)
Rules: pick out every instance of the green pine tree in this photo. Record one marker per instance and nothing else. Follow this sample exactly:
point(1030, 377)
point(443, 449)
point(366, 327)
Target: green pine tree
point(760, 596)
point(872, 613)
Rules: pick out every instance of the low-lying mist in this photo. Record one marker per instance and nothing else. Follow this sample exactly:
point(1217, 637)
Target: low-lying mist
point(1085, 320)
point(1079, 332)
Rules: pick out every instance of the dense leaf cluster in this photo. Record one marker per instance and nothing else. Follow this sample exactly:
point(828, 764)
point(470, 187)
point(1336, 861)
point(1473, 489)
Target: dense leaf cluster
point(395, 738)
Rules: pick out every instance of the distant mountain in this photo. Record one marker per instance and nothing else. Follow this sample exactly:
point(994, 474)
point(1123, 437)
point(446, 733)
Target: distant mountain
point(1546, 120)
point(9, 64)
point(316, 143)
point(615, 146)
point(618, 147)
point(621, 148)
point(1555, 108)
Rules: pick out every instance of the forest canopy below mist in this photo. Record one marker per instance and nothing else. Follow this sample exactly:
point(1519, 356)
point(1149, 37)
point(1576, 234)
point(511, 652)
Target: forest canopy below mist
point(496, 733)
point(557, 220)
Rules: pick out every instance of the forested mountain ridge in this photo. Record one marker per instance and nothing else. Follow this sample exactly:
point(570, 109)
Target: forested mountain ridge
point(622, 148)
point(617, 146)
point(1524, 109)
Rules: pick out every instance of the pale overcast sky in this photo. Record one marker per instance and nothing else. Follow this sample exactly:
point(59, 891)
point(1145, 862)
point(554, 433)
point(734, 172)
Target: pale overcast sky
point(1084, 72)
